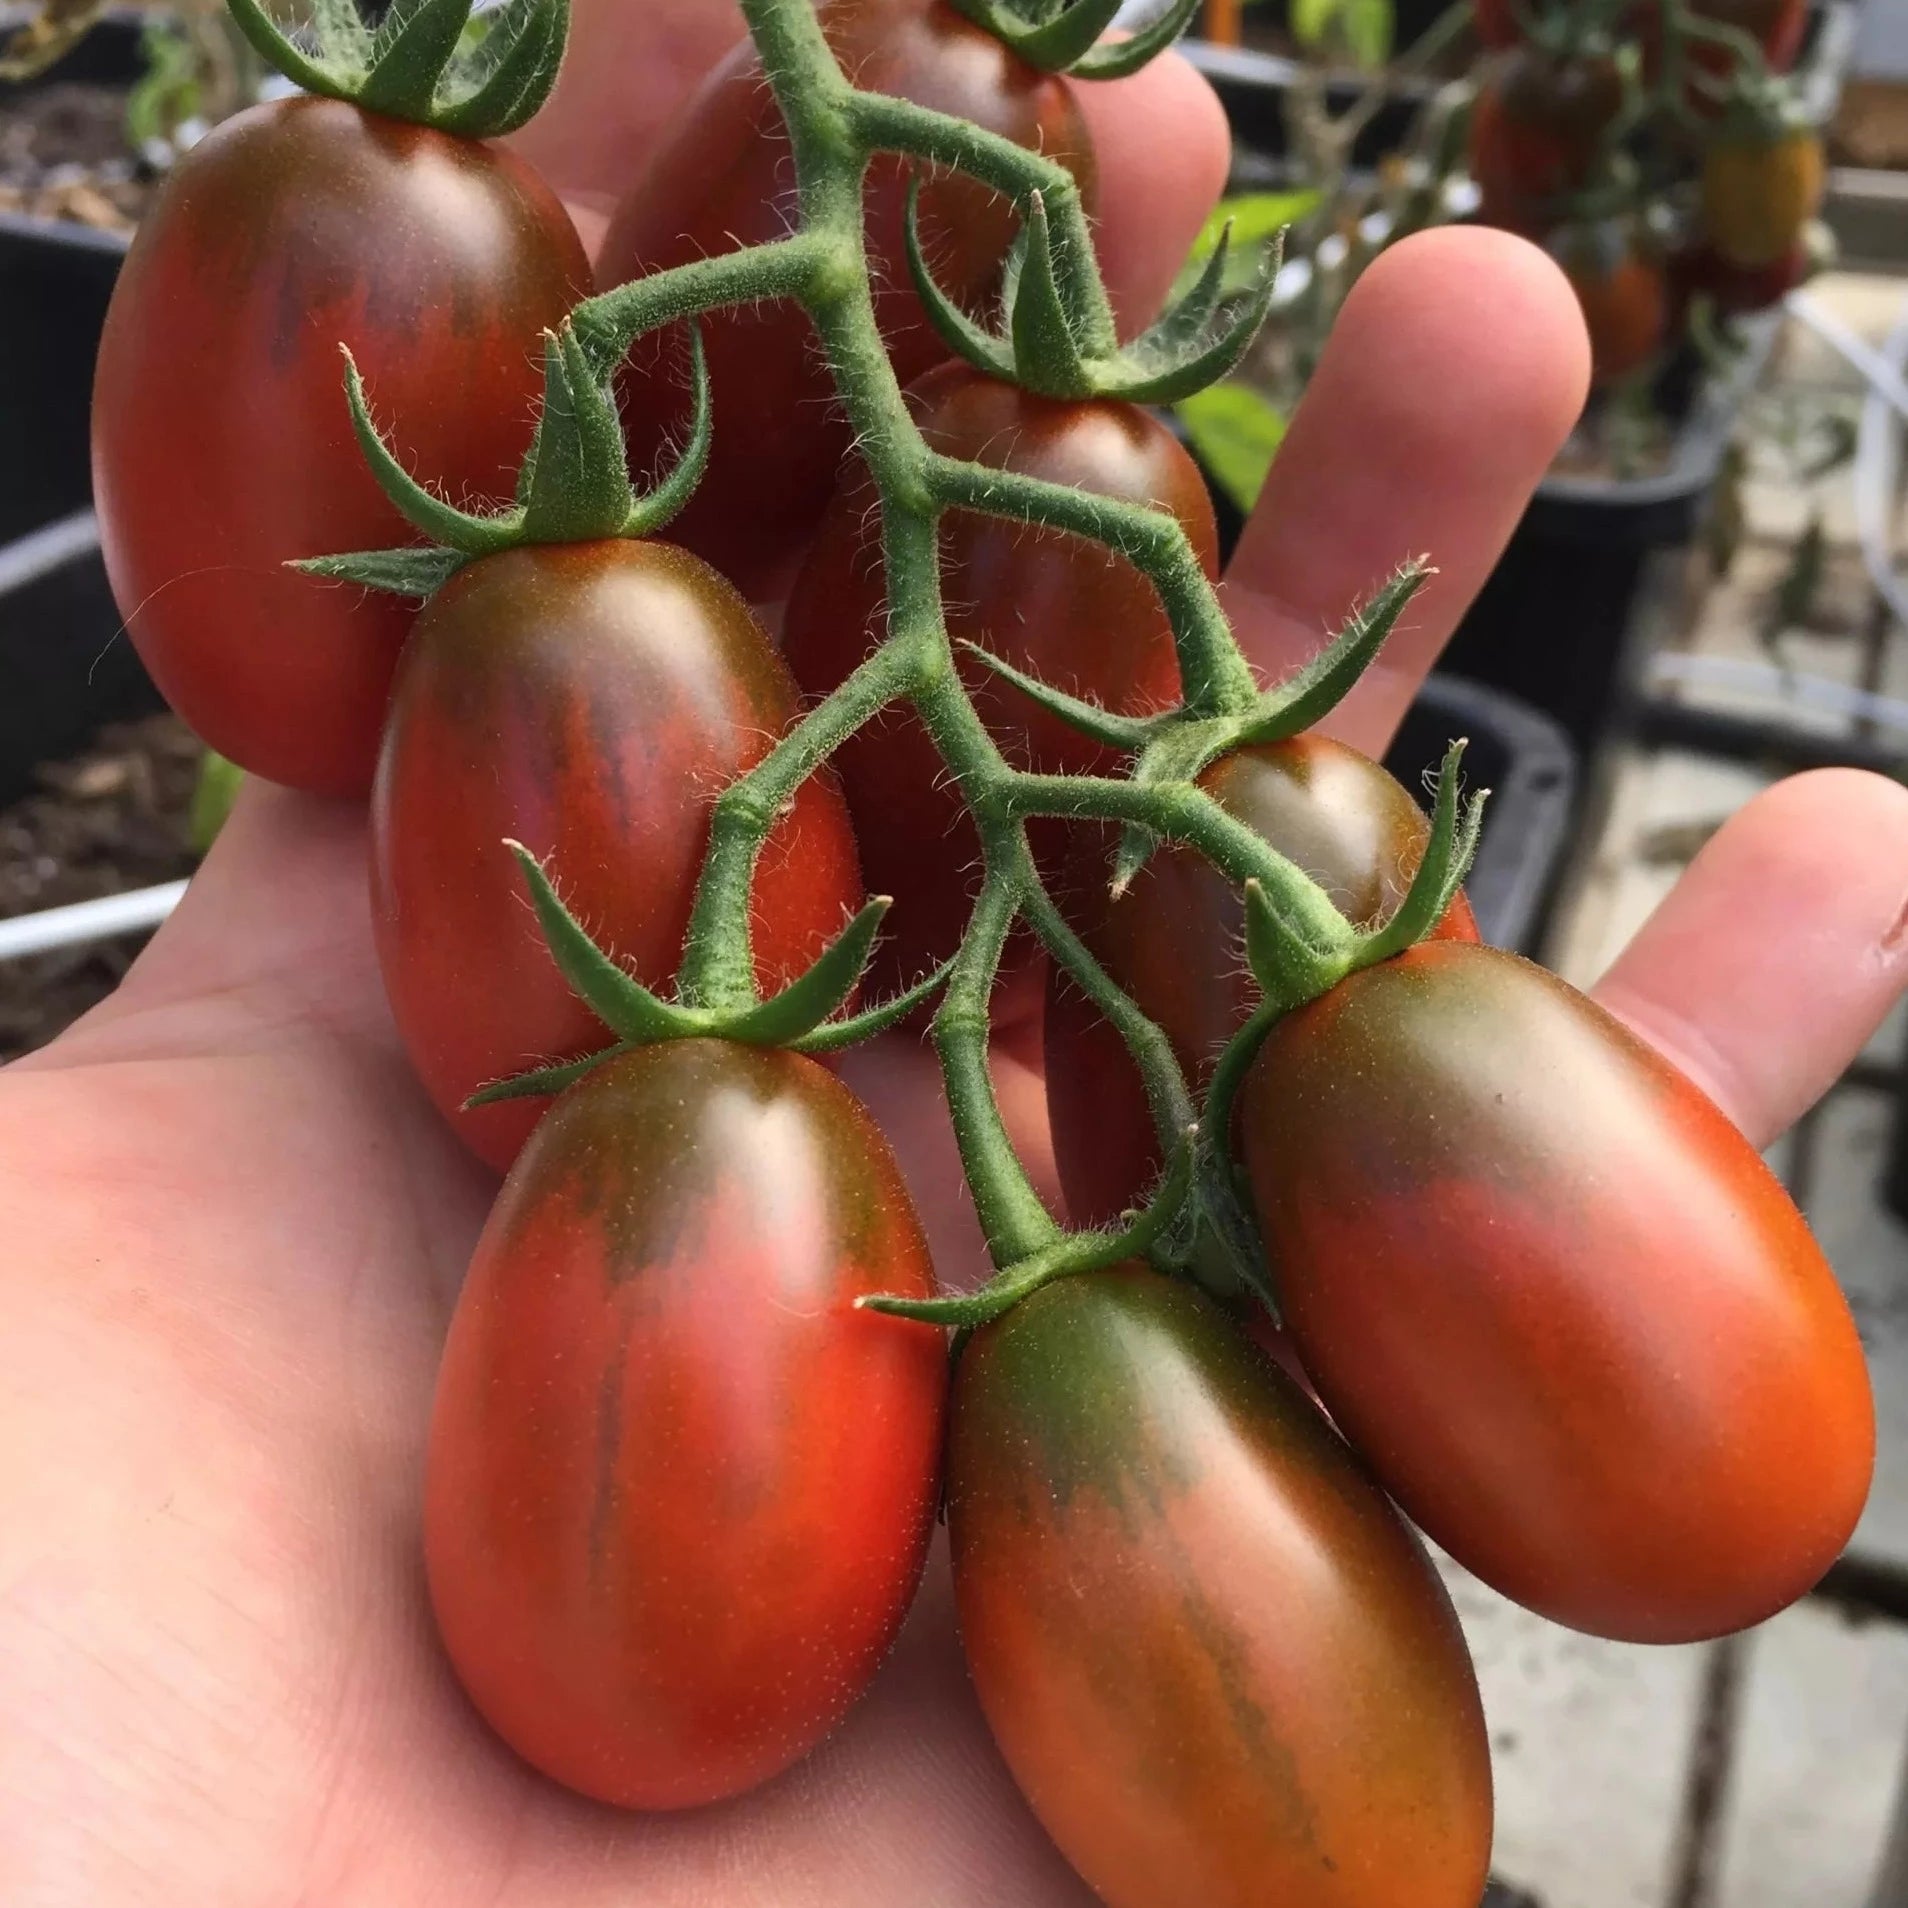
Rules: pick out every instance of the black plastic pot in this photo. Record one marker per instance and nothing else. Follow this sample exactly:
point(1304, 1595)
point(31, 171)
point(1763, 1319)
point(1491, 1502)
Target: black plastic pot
point(1529, 765)
point(65, 666)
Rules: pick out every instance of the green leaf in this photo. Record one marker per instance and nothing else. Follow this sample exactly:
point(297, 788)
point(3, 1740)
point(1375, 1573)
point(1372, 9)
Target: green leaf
point(1254, 218)
point(1312, 19)
point(1369, 27)
point(542, 1083)
point(1236, 433)
point(212, 798)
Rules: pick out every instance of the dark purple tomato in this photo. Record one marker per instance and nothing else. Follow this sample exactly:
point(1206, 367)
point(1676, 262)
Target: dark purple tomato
point(1556, 1299)
point(589, 700)
point(1065, 610)
point(679, 1490)
point(1535, 134)
point(1174, 942)
point(1219, 1665)
point(222, 446)
point(724, 178)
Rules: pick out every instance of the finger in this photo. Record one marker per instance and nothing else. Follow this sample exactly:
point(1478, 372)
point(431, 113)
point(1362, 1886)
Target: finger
point(1453, 375)
point(274, 929)
point(1163, 148)
point(1779, 952)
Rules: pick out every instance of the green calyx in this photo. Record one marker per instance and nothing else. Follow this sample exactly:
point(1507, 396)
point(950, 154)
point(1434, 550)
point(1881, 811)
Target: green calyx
point(806, 1015)
point(1176, 746)
point(1058, 338)
point(1145, 1231)
point(573, 487)
point(424, 62)
point(1294, 966)
point(1062, 36)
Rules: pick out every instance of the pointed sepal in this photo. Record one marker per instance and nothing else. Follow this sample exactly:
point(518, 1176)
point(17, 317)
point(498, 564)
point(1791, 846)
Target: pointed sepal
point(420, 64)
point(1286, 961)
point(833, 1035)
point(410, 53)
point(541, 1083)
point(1449, 850)
point(960, 333)
point(513, 71)
point(652, 511)
point(1074, 1254)
point(1065, 38)
point(579, 487)
point(1305, 698)
point(613, 994)
point(440, 521)
point(1058, 338)
point(420, 572)
point(1122, 732)
point(1120, 58)
point(822, 989)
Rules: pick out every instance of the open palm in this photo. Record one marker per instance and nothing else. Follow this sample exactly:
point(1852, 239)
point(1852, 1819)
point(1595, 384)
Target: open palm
point(233, 1228)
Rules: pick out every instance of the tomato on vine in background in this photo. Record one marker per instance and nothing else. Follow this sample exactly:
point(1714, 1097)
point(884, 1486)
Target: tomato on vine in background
point(723, 179)
point(678, 1491)
point(1537, 132)
point(221, 447)
point(1624, 295)
point(1763, 177)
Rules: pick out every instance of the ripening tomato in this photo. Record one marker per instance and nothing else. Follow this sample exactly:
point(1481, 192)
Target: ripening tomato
point(1065, 610)
point(678, 1490)
point(1556, 1299)
point(1220, 1667)
point(1173, 942)
point(222, 447)
point(1743, 288)
point(724, 178)
point(1759, 193)
point(589, 700)
point(1495, 23)
point(1624, 295)
point(1535, 132)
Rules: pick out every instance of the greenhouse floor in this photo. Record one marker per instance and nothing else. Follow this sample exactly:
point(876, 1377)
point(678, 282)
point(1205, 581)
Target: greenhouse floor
point(1759, 1773)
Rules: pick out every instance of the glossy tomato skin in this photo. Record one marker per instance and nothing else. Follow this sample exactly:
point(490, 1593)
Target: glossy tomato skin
point(678, 1490)
point(1556, 1299)
point(1534, 134)
point(222, 447)
point(1219, 1666)
point(590, 701)
point(724, 178)
point(1174, 943)
point(1067, 611)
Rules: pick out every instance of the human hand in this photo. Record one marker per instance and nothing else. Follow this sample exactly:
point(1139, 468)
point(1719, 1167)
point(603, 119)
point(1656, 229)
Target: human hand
point(236, 1228)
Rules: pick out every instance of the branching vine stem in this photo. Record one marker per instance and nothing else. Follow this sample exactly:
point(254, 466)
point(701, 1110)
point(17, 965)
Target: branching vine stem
point(834, 133)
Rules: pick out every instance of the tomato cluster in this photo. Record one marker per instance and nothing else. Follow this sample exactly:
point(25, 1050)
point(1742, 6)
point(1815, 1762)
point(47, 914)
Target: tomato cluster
point(1695, 177)
point(681, 1481)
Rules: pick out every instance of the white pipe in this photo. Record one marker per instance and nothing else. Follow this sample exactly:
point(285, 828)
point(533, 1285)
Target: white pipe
point(1783, 685)
point(1883, 378)
point(1877, 477)
point(85, 921)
